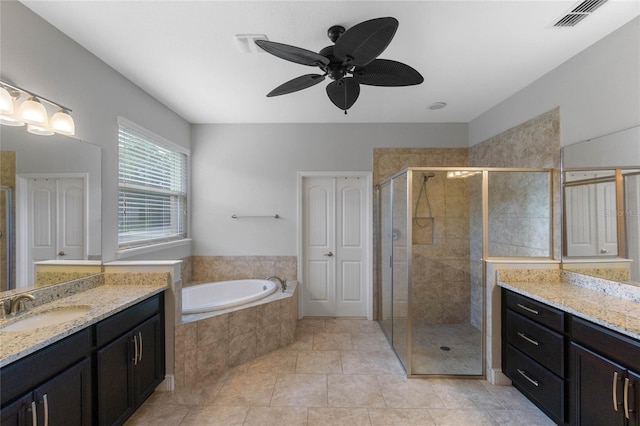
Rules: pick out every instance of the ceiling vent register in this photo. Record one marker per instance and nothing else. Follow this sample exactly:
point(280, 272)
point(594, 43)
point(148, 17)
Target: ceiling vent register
point(578, 13)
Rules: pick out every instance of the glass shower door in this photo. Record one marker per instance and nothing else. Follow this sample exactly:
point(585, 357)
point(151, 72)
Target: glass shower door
point(384, 261)
point(400, 274)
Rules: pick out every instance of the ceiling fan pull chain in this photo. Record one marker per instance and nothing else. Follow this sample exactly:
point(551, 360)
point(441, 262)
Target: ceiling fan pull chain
point(345, 96)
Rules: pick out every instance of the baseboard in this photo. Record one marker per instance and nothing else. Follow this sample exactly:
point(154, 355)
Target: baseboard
point(168, 384)
point(496, 377)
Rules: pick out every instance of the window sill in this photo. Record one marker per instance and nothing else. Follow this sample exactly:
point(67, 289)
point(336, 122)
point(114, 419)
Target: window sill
point(135, 251)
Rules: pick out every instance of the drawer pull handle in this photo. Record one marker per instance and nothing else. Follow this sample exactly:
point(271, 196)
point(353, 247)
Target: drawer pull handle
point(528, 309)
point(614, 391)
point(523, 374)
point(528, 339)
point(626, 398)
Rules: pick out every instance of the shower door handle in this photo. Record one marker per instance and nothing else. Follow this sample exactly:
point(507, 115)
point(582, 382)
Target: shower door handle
point(328, 254)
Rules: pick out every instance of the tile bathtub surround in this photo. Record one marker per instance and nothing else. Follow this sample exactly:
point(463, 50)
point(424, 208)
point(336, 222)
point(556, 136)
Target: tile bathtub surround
point(223, 268)
point(208, 345)
point(336, 372)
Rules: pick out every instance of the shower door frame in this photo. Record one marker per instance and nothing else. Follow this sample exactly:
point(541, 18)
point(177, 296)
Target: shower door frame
point(409, 171)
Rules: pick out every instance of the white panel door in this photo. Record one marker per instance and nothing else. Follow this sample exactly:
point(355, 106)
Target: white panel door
point(335, 246)
point(56, 220)
point(318, 288)
point(591, 217)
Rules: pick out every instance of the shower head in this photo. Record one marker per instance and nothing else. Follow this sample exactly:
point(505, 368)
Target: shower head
point(427, 176)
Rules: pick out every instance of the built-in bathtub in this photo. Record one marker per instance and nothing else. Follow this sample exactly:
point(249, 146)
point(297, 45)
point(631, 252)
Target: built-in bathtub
point(210, 297)
point(208, 342)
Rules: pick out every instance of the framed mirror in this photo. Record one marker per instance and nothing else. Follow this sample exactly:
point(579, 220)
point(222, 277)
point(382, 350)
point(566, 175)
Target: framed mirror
point(601, 206)
point(51, 207)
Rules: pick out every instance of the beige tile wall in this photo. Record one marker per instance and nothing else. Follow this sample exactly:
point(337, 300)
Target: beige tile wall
point(222, 268)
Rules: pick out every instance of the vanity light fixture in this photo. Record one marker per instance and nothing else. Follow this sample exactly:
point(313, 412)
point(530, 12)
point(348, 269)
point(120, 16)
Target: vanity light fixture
point(19, 107)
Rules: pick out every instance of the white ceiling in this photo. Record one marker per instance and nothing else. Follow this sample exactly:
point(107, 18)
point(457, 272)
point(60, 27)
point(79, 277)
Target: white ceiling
point(472, 54)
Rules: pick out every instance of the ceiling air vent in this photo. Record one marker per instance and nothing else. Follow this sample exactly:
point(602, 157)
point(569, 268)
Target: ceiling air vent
point(578, 13)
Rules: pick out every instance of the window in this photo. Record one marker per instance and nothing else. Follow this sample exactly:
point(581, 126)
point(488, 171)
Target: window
point(152, 188)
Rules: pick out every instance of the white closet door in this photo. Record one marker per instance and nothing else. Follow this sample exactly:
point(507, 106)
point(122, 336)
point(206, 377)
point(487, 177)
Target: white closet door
point(335, 246)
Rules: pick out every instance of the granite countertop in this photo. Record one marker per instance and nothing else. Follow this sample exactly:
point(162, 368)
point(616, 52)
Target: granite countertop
point(104, 301)
point(616, 313)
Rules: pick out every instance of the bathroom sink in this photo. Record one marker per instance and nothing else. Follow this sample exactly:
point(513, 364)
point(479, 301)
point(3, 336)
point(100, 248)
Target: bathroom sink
point(48, 318)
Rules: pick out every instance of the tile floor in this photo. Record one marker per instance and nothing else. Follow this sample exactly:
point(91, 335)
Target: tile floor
point(463, 355)
point(337, 372)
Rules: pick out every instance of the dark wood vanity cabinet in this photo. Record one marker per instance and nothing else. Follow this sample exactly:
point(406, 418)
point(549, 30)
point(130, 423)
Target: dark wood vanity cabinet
point(577, 372)
point(99, 375)
point(129, 359)
point(52, 386)
point(605, 385)
point(533, 352)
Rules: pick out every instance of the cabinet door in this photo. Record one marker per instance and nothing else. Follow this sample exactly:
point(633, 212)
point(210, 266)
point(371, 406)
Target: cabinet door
point(18, 413)
point(149, 368)
point(66, 399)
point(115, 375)
point(597, 389)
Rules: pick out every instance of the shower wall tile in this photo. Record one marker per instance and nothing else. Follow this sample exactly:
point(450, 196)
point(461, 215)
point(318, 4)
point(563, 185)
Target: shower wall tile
point(223, 268)
point(535, 144)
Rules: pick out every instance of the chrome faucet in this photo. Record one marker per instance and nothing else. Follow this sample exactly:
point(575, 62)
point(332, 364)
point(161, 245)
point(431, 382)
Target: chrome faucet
point(14, 304)
point(283, 283)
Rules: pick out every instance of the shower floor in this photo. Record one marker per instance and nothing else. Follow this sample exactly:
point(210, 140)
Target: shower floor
point(430, 354)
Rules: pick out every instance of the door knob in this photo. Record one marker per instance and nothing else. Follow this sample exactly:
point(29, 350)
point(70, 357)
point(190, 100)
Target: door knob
point(61, 253)
point(604, 251)
point(329, 254)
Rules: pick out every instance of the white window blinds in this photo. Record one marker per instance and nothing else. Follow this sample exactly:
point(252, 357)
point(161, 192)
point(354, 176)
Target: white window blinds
point(152, 183)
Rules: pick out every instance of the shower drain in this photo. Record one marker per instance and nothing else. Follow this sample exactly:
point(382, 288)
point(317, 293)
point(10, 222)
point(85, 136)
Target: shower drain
point(445, 348)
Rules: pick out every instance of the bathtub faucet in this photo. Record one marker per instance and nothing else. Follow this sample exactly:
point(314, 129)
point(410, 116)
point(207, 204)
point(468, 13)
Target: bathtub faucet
point(283, 283)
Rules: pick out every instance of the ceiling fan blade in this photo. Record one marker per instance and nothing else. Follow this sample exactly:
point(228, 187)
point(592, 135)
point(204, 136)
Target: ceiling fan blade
point(344, 93)
point(296, 84)
point(292, 53)
point(384, 72)
point(363, 42)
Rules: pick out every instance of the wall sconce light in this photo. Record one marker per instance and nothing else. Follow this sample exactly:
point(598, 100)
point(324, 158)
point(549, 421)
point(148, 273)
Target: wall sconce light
point(19, 107)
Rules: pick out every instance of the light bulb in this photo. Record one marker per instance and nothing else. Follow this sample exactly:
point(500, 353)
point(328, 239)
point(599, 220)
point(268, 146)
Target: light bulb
point(33, 112)
point(39, 130)
point(61, 122)
point(6, 102)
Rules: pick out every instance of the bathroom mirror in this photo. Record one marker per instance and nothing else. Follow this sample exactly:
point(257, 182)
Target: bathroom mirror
point(601, 206)
point(50, 206)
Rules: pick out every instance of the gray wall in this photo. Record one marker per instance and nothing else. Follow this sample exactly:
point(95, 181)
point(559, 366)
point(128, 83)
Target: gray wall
point(251, 169)
point(598, 92)
point(38, 57)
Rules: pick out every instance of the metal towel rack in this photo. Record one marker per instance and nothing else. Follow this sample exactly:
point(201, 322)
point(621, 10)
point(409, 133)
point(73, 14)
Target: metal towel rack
point(275, 216)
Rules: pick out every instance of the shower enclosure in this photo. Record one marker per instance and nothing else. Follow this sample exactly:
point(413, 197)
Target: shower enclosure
point(436, 227)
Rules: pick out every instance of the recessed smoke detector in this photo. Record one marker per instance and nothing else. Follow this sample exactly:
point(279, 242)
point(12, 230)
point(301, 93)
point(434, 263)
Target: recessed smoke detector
point(246, 43)
point(437, 105)
point(578, 13)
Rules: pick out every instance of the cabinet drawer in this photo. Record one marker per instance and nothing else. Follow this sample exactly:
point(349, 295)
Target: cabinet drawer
point(615, 346)
point(122, 322)
point(539, 312)
point(536, 382)
point(540, 343)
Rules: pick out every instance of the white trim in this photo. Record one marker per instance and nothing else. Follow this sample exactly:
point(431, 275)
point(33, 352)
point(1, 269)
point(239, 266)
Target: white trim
point(157, 139)
point(23, 253)
point(368, 175)
point(134, 251)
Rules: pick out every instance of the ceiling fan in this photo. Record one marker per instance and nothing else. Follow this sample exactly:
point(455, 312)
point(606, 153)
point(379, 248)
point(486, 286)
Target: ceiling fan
point(350, 62)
